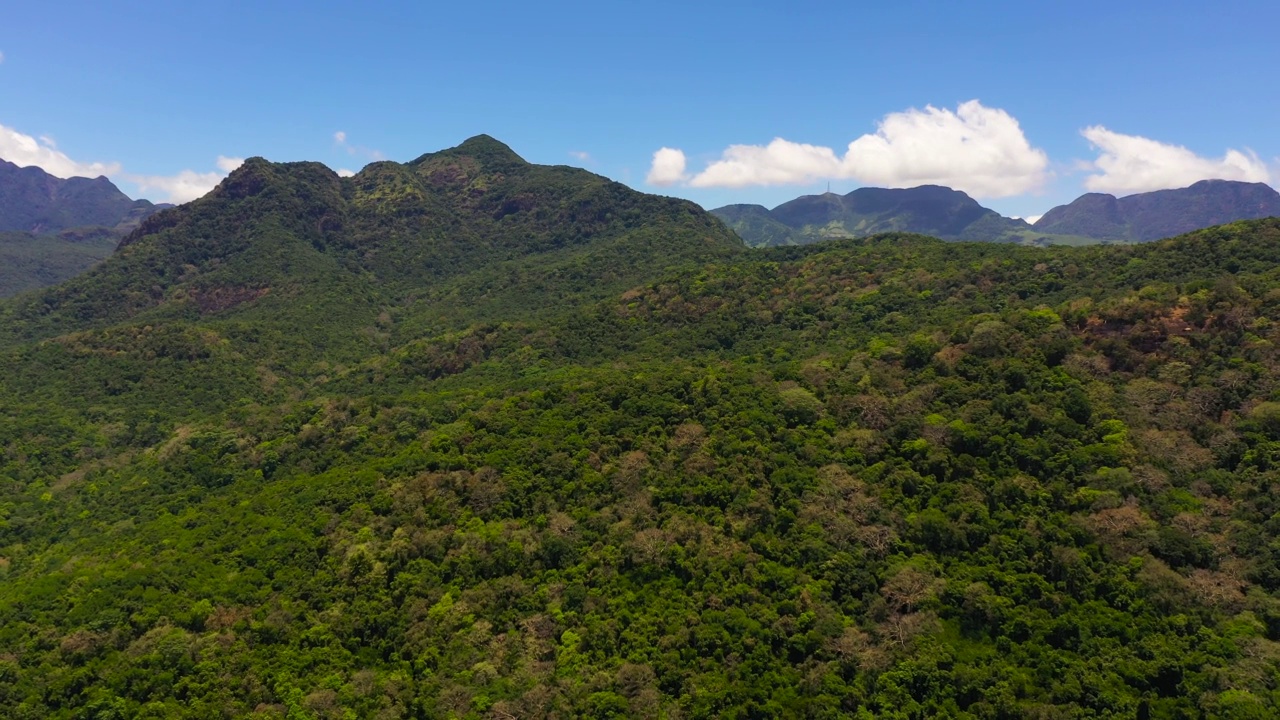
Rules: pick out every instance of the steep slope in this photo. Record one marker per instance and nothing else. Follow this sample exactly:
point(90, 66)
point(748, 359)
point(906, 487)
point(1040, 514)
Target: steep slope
point(929, 209)
point(1163, 213)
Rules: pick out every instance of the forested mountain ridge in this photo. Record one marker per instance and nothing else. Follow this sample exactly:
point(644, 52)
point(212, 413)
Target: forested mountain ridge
point(633, 471)
point(294, 245)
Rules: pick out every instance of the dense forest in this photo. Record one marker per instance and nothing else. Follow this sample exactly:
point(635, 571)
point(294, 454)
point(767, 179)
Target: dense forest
point(571, 451)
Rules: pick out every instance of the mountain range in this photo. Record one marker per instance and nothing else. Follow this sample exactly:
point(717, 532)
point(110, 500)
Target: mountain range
point(294, 242)
point(953, 215)
point(472, 437)
point(53, 228)
point(33, 201)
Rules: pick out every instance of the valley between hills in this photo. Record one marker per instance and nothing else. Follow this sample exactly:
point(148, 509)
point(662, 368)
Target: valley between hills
point(472, 437)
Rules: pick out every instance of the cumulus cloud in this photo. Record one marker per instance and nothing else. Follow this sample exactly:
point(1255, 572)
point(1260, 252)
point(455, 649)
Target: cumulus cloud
point(781, 162)
point(343, 172)
point(974, 148)
point(42, 152)
point(1131, 164)
point(25, 151)
point(668, 167)
point(340, 138)
point(580, 155)
point(187, 185)
point(977, 149)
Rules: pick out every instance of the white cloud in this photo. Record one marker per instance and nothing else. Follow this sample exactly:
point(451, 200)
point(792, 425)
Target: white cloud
point(781, 162)
point(668, 167)
point(25, 151)
point(343, 172)
point(229, 165)
point(580, 155)
point(1131, 164)
point(976, 149)
point(340, 138)
point(1030, 219)
point(188, 184)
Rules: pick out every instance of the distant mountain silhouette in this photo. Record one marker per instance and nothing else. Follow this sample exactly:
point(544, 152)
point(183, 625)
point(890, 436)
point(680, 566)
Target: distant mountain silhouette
point(1163, 213)
point(52, 229)
point(32, 200)
point(953, 215)
point(928, 209)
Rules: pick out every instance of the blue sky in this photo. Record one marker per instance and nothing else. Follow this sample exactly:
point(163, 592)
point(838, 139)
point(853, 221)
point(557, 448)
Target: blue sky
point(165, 97)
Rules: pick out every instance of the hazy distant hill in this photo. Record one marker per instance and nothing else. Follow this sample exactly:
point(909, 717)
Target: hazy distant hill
point(1163, 213)
point(52, 229)
point(953, 215)
point(755, 225)
point(32, 200)
point(29, 261)
point(928, 209)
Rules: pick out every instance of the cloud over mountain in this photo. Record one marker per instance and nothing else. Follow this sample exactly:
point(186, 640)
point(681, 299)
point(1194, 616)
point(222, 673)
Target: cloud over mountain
point(977, 149)
point(1132, 164)
point(24, 150)
point(186, 185)
point(668, 167)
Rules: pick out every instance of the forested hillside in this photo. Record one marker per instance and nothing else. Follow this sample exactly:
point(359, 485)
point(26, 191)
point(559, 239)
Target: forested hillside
point(468, 437)
point(30, 262)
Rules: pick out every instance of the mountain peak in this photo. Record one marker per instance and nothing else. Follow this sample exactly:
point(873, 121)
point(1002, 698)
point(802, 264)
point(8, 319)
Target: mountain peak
point(484, 143)
point(490, 152)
